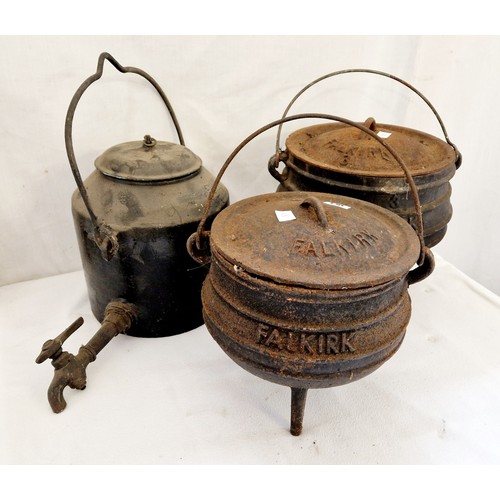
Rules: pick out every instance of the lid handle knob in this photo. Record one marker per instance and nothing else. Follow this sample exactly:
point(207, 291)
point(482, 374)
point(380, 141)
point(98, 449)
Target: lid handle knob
point(318, 209)
point(370, 123)
point(148, 141)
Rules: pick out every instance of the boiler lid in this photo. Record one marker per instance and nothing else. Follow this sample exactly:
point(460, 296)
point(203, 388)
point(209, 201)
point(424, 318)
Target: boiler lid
point(148, 161)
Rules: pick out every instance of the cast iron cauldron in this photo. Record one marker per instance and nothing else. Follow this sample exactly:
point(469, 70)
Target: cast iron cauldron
point(309, 290)
point(132, 218)
point(335, 158)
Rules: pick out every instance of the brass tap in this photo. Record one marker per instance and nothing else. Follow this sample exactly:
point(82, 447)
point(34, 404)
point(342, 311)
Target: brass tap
point(70, 370)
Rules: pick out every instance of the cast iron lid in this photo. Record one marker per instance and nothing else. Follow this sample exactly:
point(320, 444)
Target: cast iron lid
point(148, 161)
point(315, 240)
point(342, 148)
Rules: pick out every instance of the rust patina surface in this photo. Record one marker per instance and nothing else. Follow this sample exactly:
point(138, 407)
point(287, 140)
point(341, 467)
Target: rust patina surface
point(335, 158)
point(309, 290)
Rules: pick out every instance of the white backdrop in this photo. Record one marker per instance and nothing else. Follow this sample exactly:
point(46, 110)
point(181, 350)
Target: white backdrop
point(223, 88)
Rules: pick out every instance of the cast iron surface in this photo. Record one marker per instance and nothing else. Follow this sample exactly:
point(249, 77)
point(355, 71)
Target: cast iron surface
point(336, 244)
point(315, 338)
point(296, 314)
point(309, 290)
point(319, 158)
point(198, 243)
point(334, 158)
point(340, 148)
point(458, 155)
point(435, 192)
point(300, 335)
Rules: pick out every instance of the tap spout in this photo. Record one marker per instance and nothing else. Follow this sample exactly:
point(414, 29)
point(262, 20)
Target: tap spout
point(70, 370)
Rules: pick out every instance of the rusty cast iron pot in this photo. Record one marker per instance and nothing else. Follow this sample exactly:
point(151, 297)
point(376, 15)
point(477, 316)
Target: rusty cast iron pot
point(309, 290)
point(132, 218)
point(335, 158)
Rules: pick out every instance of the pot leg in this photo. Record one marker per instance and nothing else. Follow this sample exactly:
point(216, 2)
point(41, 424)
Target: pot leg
point(297, 414)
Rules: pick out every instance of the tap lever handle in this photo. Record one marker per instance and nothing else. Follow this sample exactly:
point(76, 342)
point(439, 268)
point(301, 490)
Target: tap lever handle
point(53, 347)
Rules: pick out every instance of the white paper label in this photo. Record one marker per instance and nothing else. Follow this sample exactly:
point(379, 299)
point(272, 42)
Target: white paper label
point(284, 215)
point(345, 207)
point(383, 135)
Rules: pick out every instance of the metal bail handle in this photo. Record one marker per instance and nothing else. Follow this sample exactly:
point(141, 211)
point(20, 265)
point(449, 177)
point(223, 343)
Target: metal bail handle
point(104, 237)
point(198, 242)
point(273, 165)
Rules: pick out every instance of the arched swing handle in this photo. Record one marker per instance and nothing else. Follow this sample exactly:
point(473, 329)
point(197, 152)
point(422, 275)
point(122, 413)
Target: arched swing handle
point(103, 235)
